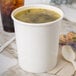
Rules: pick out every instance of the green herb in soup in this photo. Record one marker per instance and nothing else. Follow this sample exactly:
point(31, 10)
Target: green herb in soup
point(36, 15)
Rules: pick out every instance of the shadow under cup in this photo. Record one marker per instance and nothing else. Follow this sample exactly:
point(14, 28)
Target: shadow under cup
point(37, 43)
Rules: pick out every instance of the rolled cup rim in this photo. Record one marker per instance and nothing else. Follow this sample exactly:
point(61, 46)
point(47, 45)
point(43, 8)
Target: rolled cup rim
point(37, 6)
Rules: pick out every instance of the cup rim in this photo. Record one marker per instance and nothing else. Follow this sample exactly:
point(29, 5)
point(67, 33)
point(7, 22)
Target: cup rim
point(35, 6)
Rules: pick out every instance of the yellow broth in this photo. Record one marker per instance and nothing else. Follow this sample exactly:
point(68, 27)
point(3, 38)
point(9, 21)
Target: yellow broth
point(37, 15)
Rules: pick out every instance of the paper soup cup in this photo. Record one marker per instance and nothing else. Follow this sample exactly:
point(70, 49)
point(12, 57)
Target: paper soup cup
point(37, 43)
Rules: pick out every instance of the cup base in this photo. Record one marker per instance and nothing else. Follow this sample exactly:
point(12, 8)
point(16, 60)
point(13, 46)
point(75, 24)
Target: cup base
point(37, 71)
point(6, 29)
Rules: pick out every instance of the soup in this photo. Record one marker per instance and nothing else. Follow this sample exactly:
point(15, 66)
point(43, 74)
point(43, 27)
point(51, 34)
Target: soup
point(37, 15)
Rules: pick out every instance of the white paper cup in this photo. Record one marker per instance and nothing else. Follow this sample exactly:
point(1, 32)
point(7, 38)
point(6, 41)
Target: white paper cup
point(37, 43)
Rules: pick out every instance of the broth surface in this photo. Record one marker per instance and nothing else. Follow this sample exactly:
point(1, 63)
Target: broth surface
point(37, 15)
